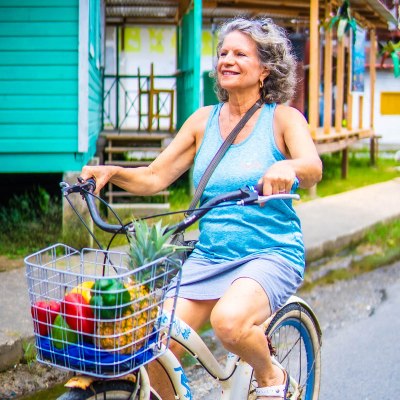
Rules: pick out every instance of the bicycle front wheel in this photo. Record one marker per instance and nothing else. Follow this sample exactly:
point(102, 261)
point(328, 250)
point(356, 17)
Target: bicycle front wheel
point(107, 389)
point(296, 345)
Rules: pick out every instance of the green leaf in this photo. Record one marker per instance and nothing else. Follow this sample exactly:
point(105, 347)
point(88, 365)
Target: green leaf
point(333, 21)
point(396, 66)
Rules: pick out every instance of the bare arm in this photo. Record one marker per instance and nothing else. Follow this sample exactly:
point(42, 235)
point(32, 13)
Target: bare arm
point(165, 169)
point(294, 140)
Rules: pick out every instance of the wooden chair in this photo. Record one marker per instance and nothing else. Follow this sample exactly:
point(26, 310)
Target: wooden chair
point(160, 102)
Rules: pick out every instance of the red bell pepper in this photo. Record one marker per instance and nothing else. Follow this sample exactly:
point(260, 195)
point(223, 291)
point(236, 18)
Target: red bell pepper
point(77, 313)
point(44, 313)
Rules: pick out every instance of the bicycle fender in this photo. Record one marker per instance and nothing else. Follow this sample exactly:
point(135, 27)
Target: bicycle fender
point(299, 300)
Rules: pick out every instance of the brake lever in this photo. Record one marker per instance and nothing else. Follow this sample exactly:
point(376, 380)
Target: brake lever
point(281, 196)
point(251, 196)
point(88, 185)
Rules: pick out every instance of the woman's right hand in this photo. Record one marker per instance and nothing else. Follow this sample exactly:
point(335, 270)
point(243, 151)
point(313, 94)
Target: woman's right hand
point(101, 174)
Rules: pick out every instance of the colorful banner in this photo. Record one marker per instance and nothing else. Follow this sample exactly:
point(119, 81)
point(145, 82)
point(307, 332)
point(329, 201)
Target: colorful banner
point(358, 61)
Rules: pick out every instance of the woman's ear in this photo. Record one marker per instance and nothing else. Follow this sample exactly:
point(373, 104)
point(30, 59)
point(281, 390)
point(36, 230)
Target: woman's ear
point(265, 73)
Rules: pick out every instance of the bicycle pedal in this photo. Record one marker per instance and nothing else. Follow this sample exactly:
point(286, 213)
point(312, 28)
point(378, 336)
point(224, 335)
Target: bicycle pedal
point(293, 396)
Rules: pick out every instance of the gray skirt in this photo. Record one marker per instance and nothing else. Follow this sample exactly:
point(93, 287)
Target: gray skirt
point(203, 279)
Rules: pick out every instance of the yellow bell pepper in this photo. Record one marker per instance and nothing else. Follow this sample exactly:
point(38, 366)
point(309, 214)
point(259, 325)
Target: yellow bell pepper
point(84, 289)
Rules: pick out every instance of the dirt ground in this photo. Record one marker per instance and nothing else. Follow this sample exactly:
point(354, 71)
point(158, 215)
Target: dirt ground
point(26, 379)
point(7, 264)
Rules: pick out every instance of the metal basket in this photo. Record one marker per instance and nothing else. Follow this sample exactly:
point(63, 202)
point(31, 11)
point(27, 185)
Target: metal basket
point(93, 314)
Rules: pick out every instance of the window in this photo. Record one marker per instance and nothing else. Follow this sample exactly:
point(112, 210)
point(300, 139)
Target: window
point(390, 103)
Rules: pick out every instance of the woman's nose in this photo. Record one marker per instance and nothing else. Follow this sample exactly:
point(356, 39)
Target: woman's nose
point(228, 59)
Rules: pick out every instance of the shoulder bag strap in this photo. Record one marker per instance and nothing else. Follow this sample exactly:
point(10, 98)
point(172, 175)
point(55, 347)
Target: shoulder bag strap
point(219, 154)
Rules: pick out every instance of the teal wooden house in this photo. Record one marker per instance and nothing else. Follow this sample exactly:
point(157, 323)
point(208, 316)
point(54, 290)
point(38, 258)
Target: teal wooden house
point(50, 84)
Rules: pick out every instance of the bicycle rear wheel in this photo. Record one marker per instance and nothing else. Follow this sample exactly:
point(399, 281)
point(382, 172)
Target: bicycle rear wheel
point(107, 389)
point(296, 342)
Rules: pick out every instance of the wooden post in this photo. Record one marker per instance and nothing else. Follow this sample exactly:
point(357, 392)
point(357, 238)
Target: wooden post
point(328, 73)
point(313, 106)
point(349, 95)
point(360, 111)
point(151, 99)
point(372, 76)
point(339, 85)
point(345, 162)
point(73, 231)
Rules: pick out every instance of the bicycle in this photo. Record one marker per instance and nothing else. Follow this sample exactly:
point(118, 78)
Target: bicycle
point(293, 333)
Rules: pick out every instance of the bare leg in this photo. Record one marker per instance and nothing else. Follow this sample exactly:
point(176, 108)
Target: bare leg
point(195, 313)
point(236, 320)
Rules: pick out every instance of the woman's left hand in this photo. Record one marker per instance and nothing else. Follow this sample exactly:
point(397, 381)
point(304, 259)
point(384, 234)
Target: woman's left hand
point(278, 179)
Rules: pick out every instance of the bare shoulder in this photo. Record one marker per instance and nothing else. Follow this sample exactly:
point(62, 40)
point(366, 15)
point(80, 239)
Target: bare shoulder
point(195, 125)
point(289, 115)
point(201, 115)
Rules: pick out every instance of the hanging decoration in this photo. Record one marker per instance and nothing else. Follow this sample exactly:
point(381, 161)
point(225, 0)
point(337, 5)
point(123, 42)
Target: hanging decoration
point(393, 50)
point(343, 20)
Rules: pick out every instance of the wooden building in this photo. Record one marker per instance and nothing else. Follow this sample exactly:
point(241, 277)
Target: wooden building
point(52, 64)
point(51, 84)
point(334, 111)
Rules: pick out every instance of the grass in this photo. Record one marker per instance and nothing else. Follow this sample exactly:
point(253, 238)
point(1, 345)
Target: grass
point(360, 173)
point(379, 247)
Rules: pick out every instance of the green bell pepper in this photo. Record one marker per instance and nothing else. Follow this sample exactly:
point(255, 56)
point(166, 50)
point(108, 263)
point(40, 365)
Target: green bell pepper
point(61, 333)
point(110, 298)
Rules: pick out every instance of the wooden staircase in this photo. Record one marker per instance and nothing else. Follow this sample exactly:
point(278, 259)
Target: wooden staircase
point(134, 149)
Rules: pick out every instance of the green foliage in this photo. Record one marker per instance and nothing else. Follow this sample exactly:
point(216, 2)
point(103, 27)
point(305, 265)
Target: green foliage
point(29, 222)
point(360, 173)
point(29, 350)
point(384, 239)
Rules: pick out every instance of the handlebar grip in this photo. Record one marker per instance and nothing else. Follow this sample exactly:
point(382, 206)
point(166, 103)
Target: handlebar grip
point(92, 183)
point(259, 187)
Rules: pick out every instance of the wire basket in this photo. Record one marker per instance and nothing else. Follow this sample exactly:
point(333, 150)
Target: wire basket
point(93, 314)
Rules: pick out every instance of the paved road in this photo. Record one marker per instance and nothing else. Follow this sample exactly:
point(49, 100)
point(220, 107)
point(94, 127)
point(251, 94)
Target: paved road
point(361, 361)
point(361, 331)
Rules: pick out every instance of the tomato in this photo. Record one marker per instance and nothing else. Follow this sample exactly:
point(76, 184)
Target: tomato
point(44, 313)
point(77, 313)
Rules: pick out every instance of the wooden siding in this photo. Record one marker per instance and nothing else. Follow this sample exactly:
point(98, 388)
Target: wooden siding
point(95, 93)
point(39, 80)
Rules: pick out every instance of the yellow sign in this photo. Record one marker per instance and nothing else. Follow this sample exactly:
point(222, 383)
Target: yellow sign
point(156, 40)
point(132, 40)
point(207, 42)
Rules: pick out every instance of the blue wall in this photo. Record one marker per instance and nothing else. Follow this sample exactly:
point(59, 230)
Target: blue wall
point(39, 96)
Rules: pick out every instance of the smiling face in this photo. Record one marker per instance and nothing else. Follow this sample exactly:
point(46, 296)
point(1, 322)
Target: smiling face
point(238, 66)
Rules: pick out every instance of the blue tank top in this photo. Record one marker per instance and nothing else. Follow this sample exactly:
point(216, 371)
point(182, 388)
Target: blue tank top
point(235, 232)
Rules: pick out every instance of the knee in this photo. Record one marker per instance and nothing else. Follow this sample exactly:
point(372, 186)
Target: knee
point(228, 325)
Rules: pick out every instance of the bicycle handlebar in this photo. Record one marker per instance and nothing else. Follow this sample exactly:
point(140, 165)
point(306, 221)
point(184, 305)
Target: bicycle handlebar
point(245, 196)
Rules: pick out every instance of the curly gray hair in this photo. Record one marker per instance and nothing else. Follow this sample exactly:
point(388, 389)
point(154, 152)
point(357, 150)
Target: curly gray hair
point(274, 51)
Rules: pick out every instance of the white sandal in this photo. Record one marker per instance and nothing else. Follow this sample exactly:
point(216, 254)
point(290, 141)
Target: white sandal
point(275, 391)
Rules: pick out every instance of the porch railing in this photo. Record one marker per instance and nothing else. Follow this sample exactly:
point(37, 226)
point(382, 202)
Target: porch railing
point(139, 102)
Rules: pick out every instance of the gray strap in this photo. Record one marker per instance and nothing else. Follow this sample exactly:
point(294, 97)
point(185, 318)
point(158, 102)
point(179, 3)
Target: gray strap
point(219, 154)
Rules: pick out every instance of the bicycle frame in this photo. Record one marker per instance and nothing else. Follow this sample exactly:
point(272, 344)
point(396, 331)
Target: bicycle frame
point(235, 378)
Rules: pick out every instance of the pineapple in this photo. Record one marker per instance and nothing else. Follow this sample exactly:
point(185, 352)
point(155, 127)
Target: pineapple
point(147, 244)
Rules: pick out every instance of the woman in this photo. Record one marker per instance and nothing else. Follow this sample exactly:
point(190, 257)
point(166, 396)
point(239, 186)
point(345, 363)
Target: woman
point(259, 249)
